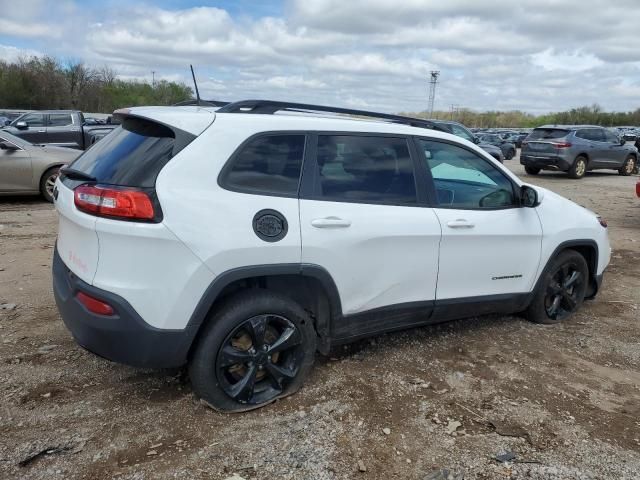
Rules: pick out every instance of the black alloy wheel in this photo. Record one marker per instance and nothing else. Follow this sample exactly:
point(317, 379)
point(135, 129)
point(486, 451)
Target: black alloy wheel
point(563, 292)
point(257, 346)
point(259, 358)
point(561, 289)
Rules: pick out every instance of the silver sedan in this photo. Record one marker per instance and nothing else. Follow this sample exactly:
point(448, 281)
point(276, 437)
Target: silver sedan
point(27, 169)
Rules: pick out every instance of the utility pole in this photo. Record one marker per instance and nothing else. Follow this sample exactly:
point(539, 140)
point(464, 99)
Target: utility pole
point(455, 109)
point(432, 90)
point(153, 79)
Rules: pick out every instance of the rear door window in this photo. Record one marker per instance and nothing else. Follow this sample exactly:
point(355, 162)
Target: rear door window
point(269, 165)
point(547, 134)
point(60, 120)
point(131, 155)
point(365, 169)
point(591, 134)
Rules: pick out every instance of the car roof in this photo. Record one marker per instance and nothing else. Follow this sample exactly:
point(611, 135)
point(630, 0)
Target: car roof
point(567, 127)
point(194, 119)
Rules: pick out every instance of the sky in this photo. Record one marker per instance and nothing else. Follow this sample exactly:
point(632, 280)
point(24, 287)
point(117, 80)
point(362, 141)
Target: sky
point(532, 55)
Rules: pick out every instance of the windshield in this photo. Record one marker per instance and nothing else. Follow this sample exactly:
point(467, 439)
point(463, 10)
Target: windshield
point(7, 137)
point(547, 134)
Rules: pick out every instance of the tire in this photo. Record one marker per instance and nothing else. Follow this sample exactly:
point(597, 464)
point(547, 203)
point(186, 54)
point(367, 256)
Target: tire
point(251, 378)
point(510, 154)
point(628, 167)
point(561, 290)
point(47, 182)
point(579, 167)
point(532, 170)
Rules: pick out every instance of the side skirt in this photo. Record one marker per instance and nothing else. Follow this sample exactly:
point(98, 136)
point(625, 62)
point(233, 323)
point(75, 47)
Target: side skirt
point(348, 328)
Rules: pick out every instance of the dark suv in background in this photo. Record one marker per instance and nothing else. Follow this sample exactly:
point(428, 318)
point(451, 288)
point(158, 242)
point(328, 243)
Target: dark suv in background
point(576, 149)
point(461, 131)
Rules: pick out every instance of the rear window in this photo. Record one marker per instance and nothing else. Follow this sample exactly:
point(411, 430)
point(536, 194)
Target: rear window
point(132, 155)
point(547, 134)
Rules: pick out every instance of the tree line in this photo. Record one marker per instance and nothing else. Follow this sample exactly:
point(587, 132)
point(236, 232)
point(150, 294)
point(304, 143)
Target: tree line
point(40, 83)
point(587, 115)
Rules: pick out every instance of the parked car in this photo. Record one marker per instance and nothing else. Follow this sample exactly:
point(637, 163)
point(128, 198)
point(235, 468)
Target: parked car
point(517, 138)
point(508, 148)
point(213, 244)
point(576, 149)
point(63, 128)
point(638, 188)
point(4, 121)
point(27, 169)
point(461, 131)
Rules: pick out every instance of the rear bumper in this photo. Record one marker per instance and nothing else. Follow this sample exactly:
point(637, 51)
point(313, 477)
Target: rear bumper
point(550, 162)
point(124, 337)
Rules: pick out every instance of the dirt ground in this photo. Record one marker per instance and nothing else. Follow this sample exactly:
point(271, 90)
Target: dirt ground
point(565, 399)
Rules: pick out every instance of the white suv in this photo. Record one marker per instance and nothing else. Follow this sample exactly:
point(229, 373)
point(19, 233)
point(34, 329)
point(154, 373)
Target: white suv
point(242, 240)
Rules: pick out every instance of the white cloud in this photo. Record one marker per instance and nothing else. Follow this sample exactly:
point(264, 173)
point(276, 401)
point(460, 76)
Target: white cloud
point(375, 54)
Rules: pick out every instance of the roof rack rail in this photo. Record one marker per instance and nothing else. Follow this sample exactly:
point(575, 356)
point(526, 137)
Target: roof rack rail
point(202, 103)
point(270, 107)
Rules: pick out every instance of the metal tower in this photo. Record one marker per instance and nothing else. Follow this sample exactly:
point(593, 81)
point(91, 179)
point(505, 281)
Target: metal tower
point(432, 90)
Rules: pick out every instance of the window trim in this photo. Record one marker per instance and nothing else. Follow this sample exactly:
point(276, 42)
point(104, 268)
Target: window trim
point(311, 177)
point(240, 148)
point(431, 183)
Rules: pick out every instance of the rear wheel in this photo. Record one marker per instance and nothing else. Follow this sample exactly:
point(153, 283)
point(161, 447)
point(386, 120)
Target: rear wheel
point(510, 154)
point(628, 166)
point(562, 289)
point(47, 182)
point(257, 348)
point(532, 170)
point(579, 167)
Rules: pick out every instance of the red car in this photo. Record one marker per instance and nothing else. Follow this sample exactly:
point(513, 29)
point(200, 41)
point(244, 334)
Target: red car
point(638, 188)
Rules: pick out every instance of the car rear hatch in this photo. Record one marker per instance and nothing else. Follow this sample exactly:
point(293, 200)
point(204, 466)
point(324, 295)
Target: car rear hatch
point(545, 141)
point(115, 180)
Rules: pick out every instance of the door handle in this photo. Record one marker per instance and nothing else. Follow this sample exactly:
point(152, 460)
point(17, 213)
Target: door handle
point(42, 131)
point(460, 223)
point(330, 222)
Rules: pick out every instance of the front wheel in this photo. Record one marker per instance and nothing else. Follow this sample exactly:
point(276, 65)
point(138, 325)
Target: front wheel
point(532, 170)
point(257, 348)
point(561, 290)
point(628, 166)
point(48, 182)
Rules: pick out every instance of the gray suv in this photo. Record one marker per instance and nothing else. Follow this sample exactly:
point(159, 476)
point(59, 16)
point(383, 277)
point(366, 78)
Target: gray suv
point(576, 149)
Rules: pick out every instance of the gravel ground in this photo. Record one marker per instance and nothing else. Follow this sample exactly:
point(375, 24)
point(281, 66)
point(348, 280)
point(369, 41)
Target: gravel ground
point(432, 403)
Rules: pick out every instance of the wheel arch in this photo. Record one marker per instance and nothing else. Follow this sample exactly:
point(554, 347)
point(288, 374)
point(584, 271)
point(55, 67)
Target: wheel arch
point(311, 286)
point(49, 167)
point(588, 249)
point(583, 154)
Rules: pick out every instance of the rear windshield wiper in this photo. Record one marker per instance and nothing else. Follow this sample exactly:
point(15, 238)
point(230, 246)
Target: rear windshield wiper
point(77, 174)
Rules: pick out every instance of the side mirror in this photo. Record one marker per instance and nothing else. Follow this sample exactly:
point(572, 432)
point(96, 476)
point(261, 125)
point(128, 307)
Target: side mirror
point(529, 197)
point(22, 125)
point(476, 140)
point(622, 141)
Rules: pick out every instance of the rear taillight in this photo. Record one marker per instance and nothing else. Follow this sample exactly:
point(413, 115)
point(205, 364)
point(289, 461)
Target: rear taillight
point(603, 223)
point(94, 305)
point(125, 203)
point(561, 144)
